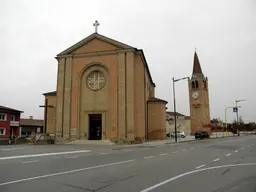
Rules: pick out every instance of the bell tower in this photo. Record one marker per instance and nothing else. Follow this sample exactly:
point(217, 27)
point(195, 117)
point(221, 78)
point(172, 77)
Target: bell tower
point(199, 99)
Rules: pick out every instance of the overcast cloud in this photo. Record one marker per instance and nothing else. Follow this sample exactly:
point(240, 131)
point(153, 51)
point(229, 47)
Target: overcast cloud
point(223, 31)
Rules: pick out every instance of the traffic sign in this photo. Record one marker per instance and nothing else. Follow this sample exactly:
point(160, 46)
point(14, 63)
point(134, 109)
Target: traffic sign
point(235, 109)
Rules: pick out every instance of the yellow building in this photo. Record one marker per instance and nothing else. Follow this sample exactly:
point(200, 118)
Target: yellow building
point(104, 91)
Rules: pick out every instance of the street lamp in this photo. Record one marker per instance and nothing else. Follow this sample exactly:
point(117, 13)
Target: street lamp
point(174, 103)
point(226, 117)
point(46, 106)
point(237, 101)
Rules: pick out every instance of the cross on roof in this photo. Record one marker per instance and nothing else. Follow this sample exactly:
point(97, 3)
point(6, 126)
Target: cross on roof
point(96, 24)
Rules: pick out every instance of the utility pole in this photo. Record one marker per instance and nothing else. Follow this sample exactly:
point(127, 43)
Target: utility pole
point(174, 104)
point(226, 121)
point(237, 116)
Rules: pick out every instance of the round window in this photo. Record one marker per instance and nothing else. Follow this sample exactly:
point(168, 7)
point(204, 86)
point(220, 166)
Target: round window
point(96, 80)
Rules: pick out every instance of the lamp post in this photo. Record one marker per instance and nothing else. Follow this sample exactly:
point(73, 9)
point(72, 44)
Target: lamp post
point(46, 106)
point(226, 121)
point(237, 101)
point(174, 104)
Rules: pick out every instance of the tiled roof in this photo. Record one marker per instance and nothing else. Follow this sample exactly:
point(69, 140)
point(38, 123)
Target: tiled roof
point(157, 100)
point(172, 113)
point(9, 109)
point(53, 93)
point(31, 122)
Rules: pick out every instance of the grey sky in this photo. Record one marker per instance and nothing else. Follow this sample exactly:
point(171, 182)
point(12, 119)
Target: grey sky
point(223, 31)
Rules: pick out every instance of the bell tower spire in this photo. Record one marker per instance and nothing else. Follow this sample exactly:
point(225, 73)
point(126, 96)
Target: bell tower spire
point(197, 71)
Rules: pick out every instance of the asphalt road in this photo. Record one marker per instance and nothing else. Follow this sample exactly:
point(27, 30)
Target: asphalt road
point(215, 165)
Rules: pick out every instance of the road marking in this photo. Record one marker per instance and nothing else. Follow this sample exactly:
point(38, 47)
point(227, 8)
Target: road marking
point(127, 150)
point(163, 154)
point(175, 151)
point(191, 148)
point(236, 151)
point(44, 154)
point(253, 144)
point(11, 149)
point(242, 148)
point(248, 145)
point(103, 153)
point(72, 157)
point(216, 159)
point(192, 172)
point(148, 157)
point(228, 154)
point(184, 149)
point(66, 172)
point(200, 166)
point(32, 161)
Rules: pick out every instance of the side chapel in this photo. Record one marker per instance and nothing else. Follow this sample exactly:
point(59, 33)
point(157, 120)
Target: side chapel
point(104, 92)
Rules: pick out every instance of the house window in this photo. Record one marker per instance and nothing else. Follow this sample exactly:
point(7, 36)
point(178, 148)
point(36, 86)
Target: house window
point(12, 117)
point(2, 131)
point(3, 117)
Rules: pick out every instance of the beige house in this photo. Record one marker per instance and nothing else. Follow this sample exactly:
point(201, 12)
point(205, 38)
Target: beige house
point(104, 92)
point(182, 123)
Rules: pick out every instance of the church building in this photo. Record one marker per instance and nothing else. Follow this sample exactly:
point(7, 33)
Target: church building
point(199, 99)
point(104, 92)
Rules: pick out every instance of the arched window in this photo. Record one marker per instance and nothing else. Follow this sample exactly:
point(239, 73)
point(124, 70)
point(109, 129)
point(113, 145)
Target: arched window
point(196, 84)
point(193, 85)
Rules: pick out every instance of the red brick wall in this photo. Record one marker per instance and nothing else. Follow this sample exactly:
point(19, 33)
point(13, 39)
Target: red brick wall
point(6, 125)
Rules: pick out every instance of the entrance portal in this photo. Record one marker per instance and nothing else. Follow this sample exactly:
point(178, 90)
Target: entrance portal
point(95, 126)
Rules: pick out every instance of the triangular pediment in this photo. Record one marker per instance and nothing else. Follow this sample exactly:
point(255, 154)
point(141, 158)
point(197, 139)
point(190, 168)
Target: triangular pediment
point(95, 43)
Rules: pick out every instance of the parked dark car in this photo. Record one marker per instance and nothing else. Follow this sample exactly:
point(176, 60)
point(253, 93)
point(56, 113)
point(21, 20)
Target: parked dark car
point(201, 135)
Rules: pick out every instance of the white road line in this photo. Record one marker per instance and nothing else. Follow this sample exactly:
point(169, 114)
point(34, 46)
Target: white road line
point(192, 172)
point(66, 172)
point(253, 144)
point(11, 149)
point(32, 161)
point(242, 148)
point(44, 154)
point(127, 150)
point(248, 145)
point(175, 151)
point(191, 148)
point(148, 157)
point(228, 154)
point(184, 149)
point(103, 153)
point(163, 154)
point(200, 166)
point(236, 151)
point(72, 157)
point(216, 159)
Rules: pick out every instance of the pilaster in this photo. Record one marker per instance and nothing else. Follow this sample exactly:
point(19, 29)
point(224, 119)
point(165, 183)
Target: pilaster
point(121, 96)
point(130, 95)
point(60, 97)
point(67, 99)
